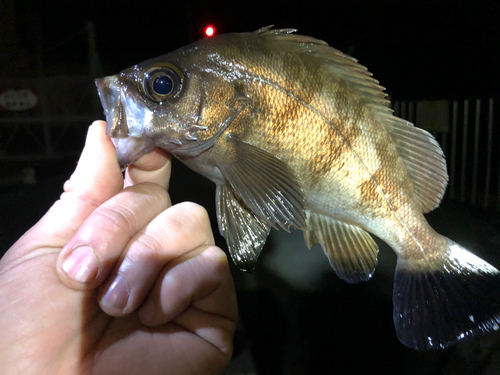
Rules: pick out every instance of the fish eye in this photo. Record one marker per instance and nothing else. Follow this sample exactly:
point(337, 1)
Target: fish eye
point(161, 82)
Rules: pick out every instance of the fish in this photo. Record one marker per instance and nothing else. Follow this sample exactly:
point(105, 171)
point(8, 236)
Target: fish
point(298, 135)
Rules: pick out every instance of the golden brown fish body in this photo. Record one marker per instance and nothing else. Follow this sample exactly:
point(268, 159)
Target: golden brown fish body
point(326, 129)
point(297, 134)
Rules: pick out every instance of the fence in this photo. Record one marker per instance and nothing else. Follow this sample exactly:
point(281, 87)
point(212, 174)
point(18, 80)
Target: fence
point(63, 108)
point(465, 129)
point(47, 117)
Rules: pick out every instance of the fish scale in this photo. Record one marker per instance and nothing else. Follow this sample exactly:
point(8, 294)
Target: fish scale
point(296, 134)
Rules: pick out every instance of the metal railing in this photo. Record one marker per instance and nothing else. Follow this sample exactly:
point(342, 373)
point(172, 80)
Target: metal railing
point(66, 104)
point(56, 127)
point(465, 130)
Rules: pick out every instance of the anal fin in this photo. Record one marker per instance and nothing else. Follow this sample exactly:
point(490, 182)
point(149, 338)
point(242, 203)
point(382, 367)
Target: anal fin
point(245, 233)
point(351, 250)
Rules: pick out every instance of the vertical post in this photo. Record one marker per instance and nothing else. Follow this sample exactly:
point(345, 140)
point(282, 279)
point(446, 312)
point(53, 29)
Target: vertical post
point(488, 157)
point(397, 108)
point(94, 65)
point(93, 59)
point(42, 89)
point(403, 109)
point(476, 151)
point(464, 150)
point(444, 142)
point(189, 19)
point(453, 149)
point(411, 113)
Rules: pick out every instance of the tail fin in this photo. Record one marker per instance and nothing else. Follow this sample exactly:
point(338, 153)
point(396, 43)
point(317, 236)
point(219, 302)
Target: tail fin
point(438, 302)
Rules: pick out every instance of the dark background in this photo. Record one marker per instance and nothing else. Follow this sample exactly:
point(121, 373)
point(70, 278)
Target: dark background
point(312, 324)
point(414, 48)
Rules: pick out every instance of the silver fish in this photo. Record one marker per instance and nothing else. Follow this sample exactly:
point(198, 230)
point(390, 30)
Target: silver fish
point(296, 134)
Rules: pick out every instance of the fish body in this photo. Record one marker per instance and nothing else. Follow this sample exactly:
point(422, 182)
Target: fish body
point(296, 134)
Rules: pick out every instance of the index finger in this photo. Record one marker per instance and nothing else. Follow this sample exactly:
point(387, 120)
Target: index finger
point(154, 167)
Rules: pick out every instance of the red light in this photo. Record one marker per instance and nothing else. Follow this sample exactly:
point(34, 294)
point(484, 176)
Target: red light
point(210, 31)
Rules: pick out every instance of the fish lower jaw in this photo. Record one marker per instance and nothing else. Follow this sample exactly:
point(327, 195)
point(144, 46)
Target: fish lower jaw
point(129, 149)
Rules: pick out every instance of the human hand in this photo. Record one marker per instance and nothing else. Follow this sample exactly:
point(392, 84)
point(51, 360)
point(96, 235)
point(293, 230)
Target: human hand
point(172, 308)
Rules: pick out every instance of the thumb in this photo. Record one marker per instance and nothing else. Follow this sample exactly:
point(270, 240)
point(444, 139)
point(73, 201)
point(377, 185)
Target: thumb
point(154, 166)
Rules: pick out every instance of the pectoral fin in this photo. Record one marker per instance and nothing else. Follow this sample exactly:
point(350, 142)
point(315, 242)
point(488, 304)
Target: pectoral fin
point(351, 250)
point(245, 233)
point(267, 185)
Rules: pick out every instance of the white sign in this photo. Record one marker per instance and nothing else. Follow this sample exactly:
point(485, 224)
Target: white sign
point(18, 99)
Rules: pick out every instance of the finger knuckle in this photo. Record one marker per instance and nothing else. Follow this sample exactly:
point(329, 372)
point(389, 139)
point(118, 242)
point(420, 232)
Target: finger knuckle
point(198, 214)
point(146, 248)
point(158, 196)
point(115, 218)
point(217, 258)
point(153, 241)
point(193, 219)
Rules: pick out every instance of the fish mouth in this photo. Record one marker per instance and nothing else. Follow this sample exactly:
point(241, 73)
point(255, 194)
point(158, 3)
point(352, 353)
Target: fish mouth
point(129, 149)
point(125, 120)
point(109, 91)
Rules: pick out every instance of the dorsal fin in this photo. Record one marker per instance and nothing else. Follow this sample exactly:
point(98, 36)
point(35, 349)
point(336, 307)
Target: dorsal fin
point(340, 64)
point(424, 161)
point(421, 154)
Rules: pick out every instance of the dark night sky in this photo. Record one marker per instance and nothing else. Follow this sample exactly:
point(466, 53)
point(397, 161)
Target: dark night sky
point(434, 49)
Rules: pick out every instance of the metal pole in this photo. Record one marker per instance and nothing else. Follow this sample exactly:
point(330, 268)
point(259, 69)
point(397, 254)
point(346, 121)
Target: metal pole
point(453, 149)
point(93, 60)
point(476, 151)
point(403, 109)
point(444, 142)
point(397, 106)
point(42, 89)
point(411, 116)
point(189, 20)
point(94, 66)
point(488, 157)
point(464, 150)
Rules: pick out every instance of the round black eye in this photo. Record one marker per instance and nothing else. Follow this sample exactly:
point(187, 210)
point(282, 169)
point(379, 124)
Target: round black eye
point(161, 83)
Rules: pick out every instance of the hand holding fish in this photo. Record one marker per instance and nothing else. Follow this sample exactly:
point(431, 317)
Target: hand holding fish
point(114, 279)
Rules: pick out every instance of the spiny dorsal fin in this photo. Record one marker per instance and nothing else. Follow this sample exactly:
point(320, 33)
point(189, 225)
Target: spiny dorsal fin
point(351, 250)
point(340, 64)
point(421, 154)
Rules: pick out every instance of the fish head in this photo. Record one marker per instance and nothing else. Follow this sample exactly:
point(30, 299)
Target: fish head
point(174, 102)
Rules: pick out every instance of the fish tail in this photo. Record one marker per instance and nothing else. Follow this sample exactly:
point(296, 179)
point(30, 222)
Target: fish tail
point(446, 298)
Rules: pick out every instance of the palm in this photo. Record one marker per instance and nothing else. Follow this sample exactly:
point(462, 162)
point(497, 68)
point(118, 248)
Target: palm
point(72, 322)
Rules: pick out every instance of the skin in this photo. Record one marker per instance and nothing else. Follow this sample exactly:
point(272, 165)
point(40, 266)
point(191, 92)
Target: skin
point(180, 312)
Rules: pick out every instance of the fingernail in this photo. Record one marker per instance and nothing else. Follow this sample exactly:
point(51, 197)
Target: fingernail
point(117, 294)
point(81, 265)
